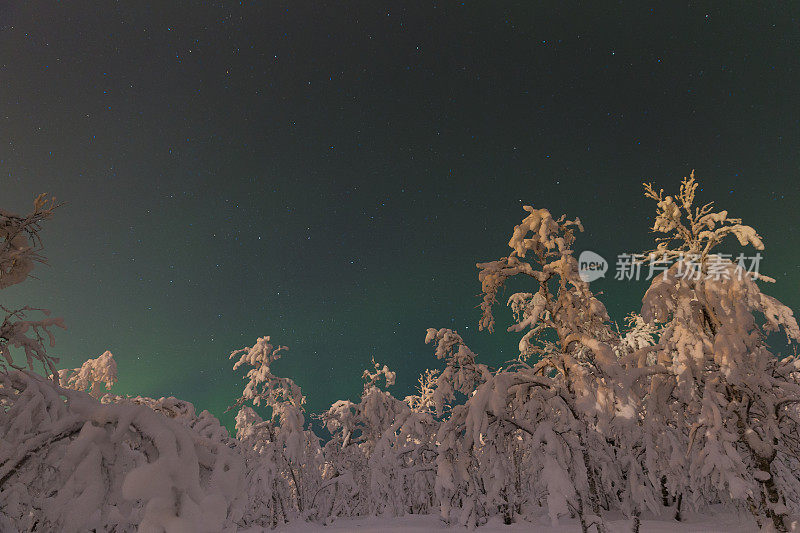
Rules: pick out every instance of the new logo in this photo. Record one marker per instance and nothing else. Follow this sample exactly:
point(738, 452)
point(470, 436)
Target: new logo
point(591, 266)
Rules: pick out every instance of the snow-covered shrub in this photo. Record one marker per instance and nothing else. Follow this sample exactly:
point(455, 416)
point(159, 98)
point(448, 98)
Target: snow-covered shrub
point(70, 463)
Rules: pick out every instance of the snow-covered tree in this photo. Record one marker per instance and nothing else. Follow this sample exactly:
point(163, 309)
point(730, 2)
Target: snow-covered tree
point(384, 446)
point(286, 473)
point(20, 249)
point(95, 376)
point(727, 393)
point(459, 487)
point(574, 404)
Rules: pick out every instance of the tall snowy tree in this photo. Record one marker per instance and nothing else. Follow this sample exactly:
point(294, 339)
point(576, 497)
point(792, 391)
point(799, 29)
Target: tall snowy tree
point(289, 466)
point(459, 486)
point(732, 397)
point(568, 402)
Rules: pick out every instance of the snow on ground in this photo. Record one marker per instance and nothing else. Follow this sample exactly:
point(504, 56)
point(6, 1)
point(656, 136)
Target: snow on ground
point(720, 523)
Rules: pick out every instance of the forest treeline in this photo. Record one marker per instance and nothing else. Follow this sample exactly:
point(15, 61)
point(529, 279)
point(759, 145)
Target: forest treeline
point(684, 408)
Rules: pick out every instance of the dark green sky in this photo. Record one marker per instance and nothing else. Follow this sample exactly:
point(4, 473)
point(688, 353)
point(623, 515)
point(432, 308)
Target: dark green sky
point(329, 173)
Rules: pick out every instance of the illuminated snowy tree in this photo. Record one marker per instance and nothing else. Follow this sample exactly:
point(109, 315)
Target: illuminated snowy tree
point(286, 473)
point(567, 405)
point(385, 447)
point(727, 393)
point(95, 376)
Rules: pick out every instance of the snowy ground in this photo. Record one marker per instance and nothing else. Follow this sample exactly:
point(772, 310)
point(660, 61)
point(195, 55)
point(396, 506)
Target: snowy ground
point(721, 523)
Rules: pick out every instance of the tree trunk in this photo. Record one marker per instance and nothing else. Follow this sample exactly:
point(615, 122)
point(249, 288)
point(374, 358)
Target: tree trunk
point(594, 498)
point(664, 492)
point(506, 509)
point(771, 496)
point(636, 522)
point(581, 517)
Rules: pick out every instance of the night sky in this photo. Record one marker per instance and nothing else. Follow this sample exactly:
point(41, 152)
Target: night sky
point(329, 173)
